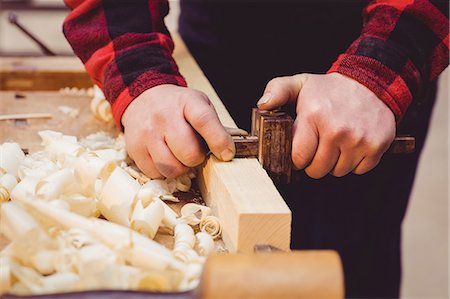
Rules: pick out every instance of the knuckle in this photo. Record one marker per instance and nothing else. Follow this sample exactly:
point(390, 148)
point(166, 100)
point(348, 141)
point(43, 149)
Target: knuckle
point(360, 170)
point(160, 117)
point(358, 137)
point(339, 173)
point(299, 159)
point(204, 117)
point(154, 175)
point(340, 131)
point(145, 133)
point(192, 94)
point(377, 147)
point(224, 141)
point(193, 158)
point(277, 82)
point(314, 174)
point(273, 82)
point(148, 169)
point(173, 171)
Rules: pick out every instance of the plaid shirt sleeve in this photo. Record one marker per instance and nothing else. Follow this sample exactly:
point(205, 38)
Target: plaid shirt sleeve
point(124, 45)
point(404, 45)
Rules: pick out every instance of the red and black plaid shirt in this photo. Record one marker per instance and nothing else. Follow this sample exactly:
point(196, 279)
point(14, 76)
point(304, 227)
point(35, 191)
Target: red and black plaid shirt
point(403, 46)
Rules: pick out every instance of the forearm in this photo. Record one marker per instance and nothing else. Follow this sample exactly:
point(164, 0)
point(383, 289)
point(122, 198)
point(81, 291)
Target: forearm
point(404, 45)
point(124, 46)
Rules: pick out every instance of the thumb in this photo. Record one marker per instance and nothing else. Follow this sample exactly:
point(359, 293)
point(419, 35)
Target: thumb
point(281, 90)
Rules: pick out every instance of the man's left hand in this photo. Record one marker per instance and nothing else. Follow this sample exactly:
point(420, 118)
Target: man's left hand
point(341, 126)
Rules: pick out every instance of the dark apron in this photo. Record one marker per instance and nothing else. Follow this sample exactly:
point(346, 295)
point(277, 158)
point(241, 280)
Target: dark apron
point(241, 45)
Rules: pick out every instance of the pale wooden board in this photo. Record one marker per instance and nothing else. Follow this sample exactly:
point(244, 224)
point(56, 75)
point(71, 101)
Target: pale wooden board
point(43, 73)
point(61, 64)
point(246, 201)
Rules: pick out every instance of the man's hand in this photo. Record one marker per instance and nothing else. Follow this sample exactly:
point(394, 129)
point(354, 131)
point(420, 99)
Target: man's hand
point(161, 128)
point(341, 126)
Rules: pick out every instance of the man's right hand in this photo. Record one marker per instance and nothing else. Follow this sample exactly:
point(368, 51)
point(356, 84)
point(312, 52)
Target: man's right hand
point(161, 127)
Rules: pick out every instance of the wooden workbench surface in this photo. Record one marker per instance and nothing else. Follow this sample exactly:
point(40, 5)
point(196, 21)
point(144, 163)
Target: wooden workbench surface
point(240, 192)
point(25, 132)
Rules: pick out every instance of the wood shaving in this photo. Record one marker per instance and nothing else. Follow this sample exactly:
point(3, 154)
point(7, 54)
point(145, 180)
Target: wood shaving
point(50, 203)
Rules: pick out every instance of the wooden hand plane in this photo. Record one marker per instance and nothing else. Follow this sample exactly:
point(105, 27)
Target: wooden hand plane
point(271, 142)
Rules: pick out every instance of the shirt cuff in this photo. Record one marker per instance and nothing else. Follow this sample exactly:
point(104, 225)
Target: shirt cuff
point(386, 84)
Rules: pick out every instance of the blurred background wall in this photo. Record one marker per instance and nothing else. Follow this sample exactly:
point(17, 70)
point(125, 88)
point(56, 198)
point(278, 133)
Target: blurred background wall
point(426, 226)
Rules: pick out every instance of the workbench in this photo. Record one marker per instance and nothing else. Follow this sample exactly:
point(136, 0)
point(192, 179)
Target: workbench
point(250, 208)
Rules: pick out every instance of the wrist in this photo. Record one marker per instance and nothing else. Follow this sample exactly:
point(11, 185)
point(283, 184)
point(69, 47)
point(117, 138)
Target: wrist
point(382, 81)
point(153, 93)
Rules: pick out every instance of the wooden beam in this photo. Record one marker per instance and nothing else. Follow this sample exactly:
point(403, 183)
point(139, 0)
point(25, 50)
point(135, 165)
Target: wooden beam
point(250, 208)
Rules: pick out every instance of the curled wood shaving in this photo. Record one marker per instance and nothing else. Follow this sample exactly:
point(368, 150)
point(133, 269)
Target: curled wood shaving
point(11, 156)
point(100, 107)
point(4, 194)
point(118, 197)
point(192, 213)
point(147, 220)
point(184, 243)
point(211, 225)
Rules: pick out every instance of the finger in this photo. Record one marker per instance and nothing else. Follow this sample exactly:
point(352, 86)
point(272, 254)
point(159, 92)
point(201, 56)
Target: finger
point(304, 143)
point(324, 160)
point(281, 90)
point(165, 161)
point(144, 162)
point(346, 163)
point(185, 145)
point(203, 118)
point(367, 164)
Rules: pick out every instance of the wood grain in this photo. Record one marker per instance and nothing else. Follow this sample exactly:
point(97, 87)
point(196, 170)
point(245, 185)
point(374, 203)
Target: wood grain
point(402, 144)
point(43, 73)
point(247, 203)
point(24, 116)
point(275, 146)
point(315, 274)
point(25, 133)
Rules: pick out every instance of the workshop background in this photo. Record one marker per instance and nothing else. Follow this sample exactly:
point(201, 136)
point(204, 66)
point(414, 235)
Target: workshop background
point(426, 226)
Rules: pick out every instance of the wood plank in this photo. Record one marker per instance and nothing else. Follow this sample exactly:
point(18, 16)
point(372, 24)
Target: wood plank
point(247, 203)
point(42, 73)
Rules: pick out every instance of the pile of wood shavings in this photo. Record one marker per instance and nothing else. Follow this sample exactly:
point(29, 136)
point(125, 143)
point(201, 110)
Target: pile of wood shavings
point(50, 204)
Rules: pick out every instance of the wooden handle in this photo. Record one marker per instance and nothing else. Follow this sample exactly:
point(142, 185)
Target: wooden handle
point(402, 144)
point(298, 274)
